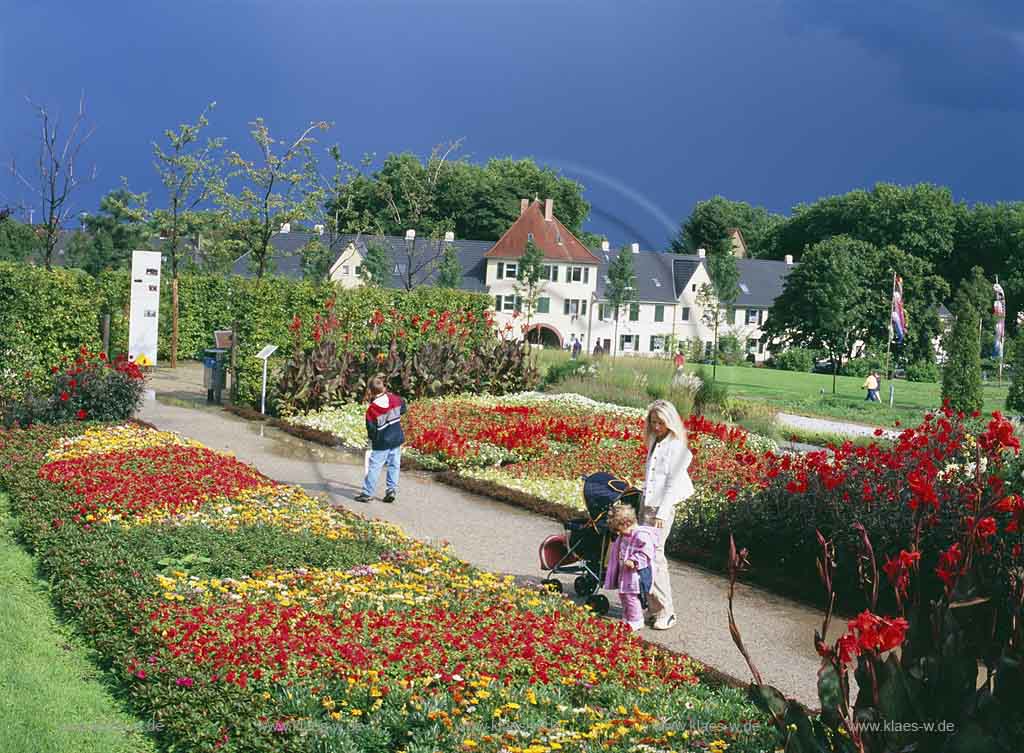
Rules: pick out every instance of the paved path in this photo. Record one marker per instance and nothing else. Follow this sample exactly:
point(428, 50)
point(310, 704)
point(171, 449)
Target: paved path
point(502, 538)
point(830, 426)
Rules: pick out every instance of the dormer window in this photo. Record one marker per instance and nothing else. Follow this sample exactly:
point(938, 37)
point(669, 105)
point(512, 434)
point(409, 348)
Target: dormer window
point(529, 237)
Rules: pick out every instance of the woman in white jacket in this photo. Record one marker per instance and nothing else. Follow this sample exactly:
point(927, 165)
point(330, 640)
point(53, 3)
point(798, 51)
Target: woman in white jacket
point(666, 483)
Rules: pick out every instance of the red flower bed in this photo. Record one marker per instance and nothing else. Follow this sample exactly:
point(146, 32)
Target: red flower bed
point(174, 479)
point(240, 643)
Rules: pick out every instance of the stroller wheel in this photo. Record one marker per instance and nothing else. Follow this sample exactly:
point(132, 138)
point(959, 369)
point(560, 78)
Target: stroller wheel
point(585, 585)
point(552, 585)
point(599, 603)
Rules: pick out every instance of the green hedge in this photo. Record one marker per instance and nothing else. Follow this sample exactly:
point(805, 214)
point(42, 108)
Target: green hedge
point(48, 314)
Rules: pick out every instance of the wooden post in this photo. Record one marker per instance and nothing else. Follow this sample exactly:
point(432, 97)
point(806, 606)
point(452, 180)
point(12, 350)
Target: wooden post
point(174, 322)
point(105, 329)
point(234, 362)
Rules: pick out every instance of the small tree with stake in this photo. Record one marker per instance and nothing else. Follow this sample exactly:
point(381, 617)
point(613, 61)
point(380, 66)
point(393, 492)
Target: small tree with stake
point(620, 288)
point(529, 283)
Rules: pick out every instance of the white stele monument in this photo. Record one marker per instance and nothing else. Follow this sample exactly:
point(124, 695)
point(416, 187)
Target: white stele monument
point(144, 318)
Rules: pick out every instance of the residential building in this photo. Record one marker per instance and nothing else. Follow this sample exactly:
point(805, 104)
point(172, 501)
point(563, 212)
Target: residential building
point(571, 304)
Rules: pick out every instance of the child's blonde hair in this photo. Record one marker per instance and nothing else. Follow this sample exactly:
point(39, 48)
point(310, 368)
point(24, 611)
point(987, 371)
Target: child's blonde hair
point(621, 516)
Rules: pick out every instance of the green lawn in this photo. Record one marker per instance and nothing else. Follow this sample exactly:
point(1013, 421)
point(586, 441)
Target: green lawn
point(52, 698)
point(797, 392)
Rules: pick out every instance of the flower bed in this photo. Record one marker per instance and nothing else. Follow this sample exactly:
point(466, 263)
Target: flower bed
point(542, 444)
point(241, 614)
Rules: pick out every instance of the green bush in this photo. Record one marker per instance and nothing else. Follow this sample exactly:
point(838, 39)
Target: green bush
point(861, 367)
point(559, 372)
point(961, 377)
point(712, 395)
point(794, 359)
point(1015, 398)
point(923, 371)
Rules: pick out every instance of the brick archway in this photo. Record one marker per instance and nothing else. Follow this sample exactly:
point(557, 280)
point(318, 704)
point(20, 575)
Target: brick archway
point(544, 334)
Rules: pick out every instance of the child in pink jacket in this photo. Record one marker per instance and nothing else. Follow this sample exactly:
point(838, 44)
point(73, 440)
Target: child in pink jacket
point(629, 562)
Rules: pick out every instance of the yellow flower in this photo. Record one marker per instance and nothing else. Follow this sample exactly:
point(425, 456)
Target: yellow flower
point(469, 743)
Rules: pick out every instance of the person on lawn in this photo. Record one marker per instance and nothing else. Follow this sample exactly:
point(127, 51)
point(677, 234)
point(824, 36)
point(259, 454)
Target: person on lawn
point(384, 430)
point(666, 483)
point(629, 563)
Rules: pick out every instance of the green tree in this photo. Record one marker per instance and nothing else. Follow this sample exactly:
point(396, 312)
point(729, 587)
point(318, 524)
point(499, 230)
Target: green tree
point(442, 193)
point(529, 281)
point(450, 270)
point(1015, 398)
point(712, 220)
point(978, 288)
point(821, 305)
point(961, 376)
point(921, 220)
point(190, 173)
point(109, 237)
point(18, 242)
point(280, 187)
point(317, 260)
point(620, 288)
point(717, 299)
point(376, 266)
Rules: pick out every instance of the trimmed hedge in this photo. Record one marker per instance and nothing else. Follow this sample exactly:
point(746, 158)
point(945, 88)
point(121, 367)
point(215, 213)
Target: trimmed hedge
point(45, 315)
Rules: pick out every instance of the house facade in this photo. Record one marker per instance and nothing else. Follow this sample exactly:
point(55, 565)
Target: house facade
point(667, 312)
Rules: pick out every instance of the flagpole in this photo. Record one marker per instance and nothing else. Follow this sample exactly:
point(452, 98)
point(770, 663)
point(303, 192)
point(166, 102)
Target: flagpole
point(1002, 345)
point(888, 345)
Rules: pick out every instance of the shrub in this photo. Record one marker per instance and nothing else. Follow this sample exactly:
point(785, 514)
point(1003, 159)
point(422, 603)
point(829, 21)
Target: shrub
point(794, 359)
point(961, 377)
point(923, 371)
point(861, 367)
point(711, 395)
point(559, 372)
point(730, 350)
point(1015, 399)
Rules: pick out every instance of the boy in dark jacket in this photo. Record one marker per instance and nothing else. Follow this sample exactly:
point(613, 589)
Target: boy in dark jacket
point(384, 429)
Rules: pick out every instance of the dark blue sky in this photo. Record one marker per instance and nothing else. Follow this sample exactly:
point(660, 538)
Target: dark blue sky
point(651, 105)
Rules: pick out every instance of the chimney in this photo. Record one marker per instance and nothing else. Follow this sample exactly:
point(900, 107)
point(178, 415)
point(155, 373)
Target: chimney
point(449, 237)
point(701, 253)
point(635, 248)
point(789, 260)
point(286, 227)
point(524, 204)
point(605, 246)
point(318, 229)
point(549, 209)
point(410, 234)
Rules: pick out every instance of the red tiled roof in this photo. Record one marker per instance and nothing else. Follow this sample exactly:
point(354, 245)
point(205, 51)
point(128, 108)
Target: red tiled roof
point(546, 237)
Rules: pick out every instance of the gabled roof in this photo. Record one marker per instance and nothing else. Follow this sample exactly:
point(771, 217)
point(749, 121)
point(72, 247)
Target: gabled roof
point(761, 280)
point(552, 238)
point(652, 271)
point(682, 271)
point(287, 259)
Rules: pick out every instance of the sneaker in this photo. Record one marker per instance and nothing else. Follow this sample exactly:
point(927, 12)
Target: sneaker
point(363, 498)
point(664, 623)
point(390, 497)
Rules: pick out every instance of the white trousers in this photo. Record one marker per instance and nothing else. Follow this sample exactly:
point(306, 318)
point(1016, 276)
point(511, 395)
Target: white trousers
point(660, 603)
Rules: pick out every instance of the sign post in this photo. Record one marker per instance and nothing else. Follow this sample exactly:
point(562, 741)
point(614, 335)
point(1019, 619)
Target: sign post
point(143, 322)
point(265, 354)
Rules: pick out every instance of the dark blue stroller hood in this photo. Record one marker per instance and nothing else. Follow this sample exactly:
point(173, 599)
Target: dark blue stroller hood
point(602, 490)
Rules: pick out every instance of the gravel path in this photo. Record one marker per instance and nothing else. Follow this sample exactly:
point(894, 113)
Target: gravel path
point(830, 426)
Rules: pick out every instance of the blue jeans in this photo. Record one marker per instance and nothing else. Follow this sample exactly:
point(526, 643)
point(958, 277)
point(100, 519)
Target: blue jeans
point(378, 458)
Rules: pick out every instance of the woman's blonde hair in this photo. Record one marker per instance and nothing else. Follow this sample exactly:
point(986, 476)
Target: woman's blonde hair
point(669, 416)
point(377, 385)
point(621, 516)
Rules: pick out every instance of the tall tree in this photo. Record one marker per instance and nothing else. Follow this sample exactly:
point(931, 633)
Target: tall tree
point(961, 376)
point(376, 265)
point(921, 220)
point(711, 221)
point(57, 175)
point(108, 238)
point(620, 289)
point(821, 302)
point(317, 260)
point(450, 272)
point(529, 280)
point(717, 299)
point(443, 192)
point(190, 173)
point(18, 242)
point(281, 186)
point(1015, 397)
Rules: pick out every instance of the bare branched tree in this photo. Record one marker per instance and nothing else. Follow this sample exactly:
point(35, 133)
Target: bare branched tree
point(56, 176)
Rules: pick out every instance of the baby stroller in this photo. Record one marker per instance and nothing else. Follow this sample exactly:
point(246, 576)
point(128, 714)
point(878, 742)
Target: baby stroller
point(583, 548)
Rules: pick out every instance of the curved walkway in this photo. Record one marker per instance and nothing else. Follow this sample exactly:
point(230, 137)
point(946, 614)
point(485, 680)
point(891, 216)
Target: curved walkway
point(501, 538)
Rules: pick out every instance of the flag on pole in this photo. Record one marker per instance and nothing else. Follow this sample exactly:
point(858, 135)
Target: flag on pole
point(999, 312)
point(899, 316)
